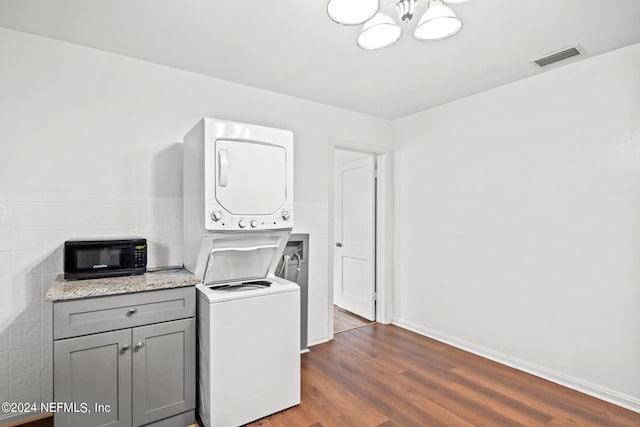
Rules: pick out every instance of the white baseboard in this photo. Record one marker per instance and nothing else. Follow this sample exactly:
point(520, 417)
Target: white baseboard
point(602, 393)
point(317, 341)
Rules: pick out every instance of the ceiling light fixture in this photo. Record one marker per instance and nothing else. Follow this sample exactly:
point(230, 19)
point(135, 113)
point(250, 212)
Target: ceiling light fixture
point(437, 23)
point(379, 30)
point(352, 12)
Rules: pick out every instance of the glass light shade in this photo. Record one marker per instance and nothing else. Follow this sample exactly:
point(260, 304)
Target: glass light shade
point(378, 32)
point(352, 12)
point(437, 23)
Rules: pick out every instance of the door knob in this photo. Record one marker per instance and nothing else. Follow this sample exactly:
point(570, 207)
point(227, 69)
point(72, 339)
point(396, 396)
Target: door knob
point(138, 346)
point(125, 347)
point(339, 244)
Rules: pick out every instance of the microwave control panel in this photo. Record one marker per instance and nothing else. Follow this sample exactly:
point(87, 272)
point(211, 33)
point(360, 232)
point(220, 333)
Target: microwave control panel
point(140, 256)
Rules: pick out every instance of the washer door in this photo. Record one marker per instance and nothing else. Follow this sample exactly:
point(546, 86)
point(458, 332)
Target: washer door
point(239, 263)
point(251, 177)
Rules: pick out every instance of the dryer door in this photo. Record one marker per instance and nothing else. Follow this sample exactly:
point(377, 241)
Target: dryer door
point(251, 177)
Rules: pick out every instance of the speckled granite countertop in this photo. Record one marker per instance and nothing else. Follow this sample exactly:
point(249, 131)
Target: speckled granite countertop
point(74, 289)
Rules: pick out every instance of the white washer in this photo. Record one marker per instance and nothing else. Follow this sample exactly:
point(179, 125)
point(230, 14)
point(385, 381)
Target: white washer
point(249, 351)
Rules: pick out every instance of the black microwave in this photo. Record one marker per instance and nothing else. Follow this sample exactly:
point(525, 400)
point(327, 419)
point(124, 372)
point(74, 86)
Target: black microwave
point(96, 258)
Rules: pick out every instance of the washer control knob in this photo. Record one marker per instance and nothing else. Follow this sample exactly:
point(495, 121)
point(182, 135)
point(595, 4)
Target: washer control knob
point(216, 215)
point(286, 215)
point(242, 224)
point(254, 223)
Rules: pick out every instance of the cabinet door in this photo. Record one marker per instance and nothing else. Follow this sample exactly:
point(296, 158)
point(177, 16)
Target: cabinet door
point(163, 370)
point(94, 370)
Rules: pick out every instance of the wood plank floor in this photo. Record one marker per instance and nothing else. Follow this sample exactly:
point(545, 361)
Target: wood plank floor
point(383, 375)
point(43, 420)
point(344, 320)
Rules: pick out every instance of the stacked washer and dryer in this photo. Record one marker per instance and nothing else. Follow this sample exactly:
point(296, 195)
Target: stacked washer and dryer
point(238, 214)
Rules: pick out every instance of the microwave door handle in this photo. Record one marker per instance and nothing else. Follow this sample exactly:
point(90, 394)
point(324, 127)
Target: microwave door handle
point(223, 167)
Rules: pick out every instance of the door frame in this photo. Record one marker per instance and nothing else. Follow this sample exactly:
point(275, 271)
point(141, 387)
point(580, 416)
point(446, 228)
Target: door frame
point(384, 227)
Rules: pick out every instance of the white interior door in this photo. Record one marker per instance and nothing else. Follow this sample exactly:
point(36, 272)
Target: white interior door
point(354, 259)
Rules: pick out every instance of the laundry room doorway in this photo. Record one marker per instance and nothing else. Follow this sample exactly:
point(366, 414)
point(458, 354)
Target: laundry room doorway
point(357, 195)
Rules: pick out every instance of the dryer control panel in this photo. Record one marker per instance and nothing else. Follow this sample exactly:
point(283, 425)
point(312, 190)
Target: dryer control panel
point(221, 220)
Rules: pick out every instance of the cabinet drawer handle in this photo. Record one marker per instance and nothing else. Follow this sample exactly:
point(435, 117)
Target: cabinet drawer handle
point(138, 346)
point(125, 347)
point(132, 311)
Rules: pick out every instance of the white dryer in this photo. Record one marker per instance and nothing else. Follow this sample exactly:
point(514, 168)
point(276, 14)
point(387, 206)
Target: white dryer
point(238, 214)
point(236, 178)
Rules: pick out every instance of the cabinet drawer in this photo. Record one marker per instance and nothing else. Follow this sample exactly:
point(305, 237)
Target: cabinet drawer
point(100, 314)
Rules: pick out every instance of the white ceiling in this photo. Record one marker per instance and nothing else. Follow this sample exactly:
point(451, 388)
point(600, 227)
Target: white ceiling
point(292, 47)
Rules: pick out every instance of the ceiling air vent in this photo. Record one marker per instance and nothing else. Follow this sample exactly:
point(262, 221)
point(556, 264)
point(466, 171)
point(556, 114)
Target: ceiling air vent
point(558, 56)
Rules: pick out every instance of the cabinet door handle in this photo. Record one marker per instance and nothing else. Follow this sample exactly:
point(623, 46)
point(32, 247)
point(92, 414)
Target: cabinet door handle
point(132, 311)
point(125, 347)
point(138, 346)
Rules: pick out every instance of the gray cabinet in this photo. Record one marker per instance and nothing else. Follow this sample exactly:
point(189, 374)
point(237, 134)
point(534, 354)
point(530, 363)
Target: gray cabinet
point(93, 370)
point(140, 375)
point(164, 373)
point(77, 317)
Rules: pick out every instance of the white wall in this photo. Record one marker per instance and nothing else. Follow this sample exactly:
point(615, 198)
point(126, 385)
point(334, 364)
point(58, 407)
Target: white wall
point(518, 224)
point(89, 146)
